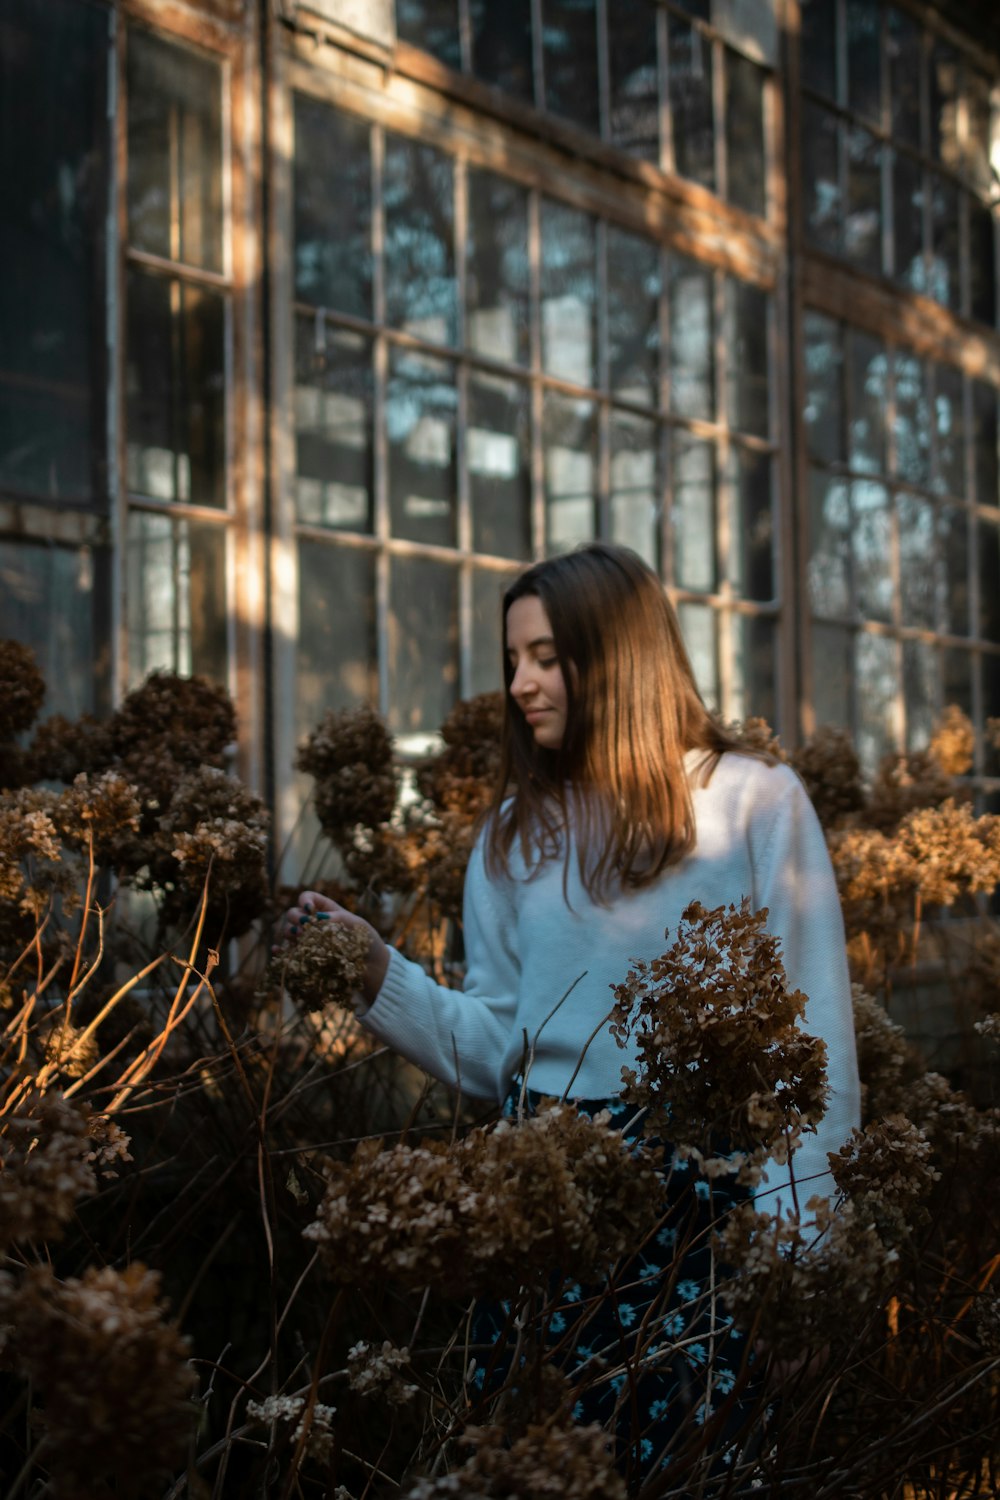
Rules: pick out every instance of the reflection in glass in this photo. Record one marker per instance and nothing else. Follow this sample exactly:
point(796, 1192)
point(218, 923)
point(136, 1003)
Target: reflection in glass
point(47, 602)
point(984, 443)
point(176, 591)
point(692, 339)
point(569, 436)
point(332, 208)
point(878, 676)
point(832, 675)
point(423, 644)
point(751, 528)
point(569, 44)
point(943, 97)
point(821, 194)
point(989, 581)
point(908, 222)
point(863, 222)
point(755, 676)
point(333, 427)
point(824, 412)
point(174, 152)
point(634, 86)
point(864, 24)
point(912, 424)
point(828, 571)
point(978, 143)
point(920, 692)
point(569, 293)
point(953, 548)
point(689, 65)
point(633, 316)
point(746, 357)
point(699, 627)
point(943, 275)
point(745, 133)
point(431, 25)
point(868, 392)
point(420, 427)
point(175, 391)
point(919, 572)
point(819, 46)
point(634, 498)
point(420, 285)
point(335, 657)
point(871, 546)
point(982, 262)
point(496, 274)
point(498, 446)
point(693, 512)
point(488, 586)
point(949, 428)
point(905, 49)
point(501, 45)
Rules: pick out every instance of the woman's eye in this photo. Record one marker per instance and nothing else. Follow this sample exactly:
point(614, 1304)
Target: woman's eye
point(550, 661)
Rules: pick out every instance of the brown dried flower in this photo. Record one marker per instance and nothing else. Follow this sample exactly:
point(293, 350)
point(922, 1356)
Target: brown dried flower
point(986, 1314)
point(885, 1057)
point(187, 718)
point(22, 689)
point(104, 807)
point(570, 1463)
point(324, 966)
point(62, 748)
point(885, 1170)
point(903, 783)
point(831, 771)
point(460, 778)
point(349, 755)
point(44, 1169)
point(954, 741)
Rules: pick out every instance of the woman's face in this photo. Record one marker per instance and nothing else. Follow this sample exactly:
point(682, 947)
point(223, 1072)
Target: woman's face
point(538, 686)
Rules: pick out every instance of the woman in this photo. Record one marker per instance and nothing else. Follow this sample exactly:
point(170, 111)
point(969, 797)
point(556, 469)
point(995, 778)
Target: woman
point(619, 803)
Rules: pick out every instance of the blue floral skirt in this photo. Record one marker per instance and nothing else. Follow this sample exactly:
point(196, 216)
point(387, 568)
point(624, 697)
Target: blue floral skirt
point(651, 1352)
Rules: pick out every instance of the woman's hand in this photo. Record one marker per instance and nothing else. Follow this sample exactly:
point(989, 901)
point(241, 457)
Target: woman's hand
point(312, 907)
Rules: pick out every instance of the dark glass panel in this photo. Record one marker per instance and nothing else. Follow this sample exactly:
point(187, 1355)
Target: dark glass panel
point(498, 450)
point(570, 443)
point(745, 134)
point(54, 168)
point(864, 62)
point(569, 293)
point(868, 394)
point(751, 529)
point(334, 479)
point(488, 587)
point(871, 548)
point(989, 581)
point(633, 316)
point(423, 644)
point(944, 96)
point(877, 676)
point(433, 26)
point(635, 491)
point(689, 64)
point(920, 692)
point(700, 9)
point(949, 429)
point(420, 407)
point(956, 679)
point(943, 277)
point(908, 222)
point(502, 45)
point(335, 657)
point(755, 672)
point(635, 89)
point(174, 152)
point(569, 47)
point(912, 424)
point(919, 569)
point(420, 284)
point(49, 601)
point(982, 262)
point(863, 223)
point(693, 512)
point(953, 547)
point(821, 192)
point(828, 571)
point(990, 668)
point(497, 275)
point(699, 627)
point(819, 46)
point(832, 675)
point(746, 357)
point(692, 339)
point(824, 406)
point(906, 60)
point(984, 443)
point(332, 209)
point(176, 391)
point(176, 591)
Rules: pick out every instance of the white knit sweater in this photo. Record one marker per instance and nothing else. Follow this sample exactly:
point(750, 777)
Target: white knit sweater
point(526, 946)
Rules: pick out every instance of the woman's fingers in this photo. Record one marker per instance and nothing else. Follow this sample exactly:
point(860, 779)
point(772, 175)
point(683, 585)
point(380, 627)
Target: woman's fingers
point(310, 906)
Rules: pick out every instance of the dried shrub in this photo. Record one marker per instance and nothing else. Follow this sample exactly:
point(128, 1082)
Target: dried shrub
point(571, 1463)
point(349, 756)
point(885, 1171)
point(325, 966)
point(831, 772)
point(461, 777)
point(22, 689)
point(44, 1168)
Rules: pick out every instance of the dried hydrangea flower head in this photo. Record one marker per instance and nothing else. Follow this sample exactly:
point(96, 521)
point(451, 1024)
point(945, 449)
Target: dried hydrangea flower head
point(324, 966)
point(831, 773)
point(461, 777)
point(22, 689)
point(44, 1168)
point(349, 756)
point(953, 742)
point(886, 1172)
point(722, 1067)
point(548, 1460)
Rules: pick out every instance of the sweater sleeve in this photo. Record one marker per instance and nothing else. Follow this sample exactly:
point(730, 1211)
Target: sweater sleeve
point(459, 1036)
point(794, 879)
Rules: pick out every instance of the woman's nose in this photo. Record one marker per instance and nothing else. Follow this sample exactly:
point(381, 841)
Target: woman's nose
point(521, 683)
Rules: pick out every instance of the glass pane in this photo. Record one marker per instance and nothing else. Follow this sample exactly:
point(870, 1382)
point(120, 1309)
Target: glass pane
point(828, 571)
point(498, 452)
point(867, 398)
point(176, 592)
point(819, 46)
point(570, 438)
point(502, 45)
point(569, 45)
point(919, 573)
point(832, 675)
point(751, 25)
point(689, 64)
point(633, 316)
point(863, 223)
point(693, 513)
point(569, 294)
point(700, 631)
point(496, 269)
point(755, 676)
point(982, 262)
point(332, 210)
point(944, 68)
point(824, 408)
point(692, 339)
point(920, 692)
point(821, 192)
point(433, 26)
point(334, 479)
point(978, 142)
point(488, 588)
point(877, 671)
point(175, 391)
point(864, 25)
point(335, 659)
point(912, 423)
point(635, 493)
point(635, 92)
point(420, 284)
point(908, 222)
point(54, 132)
point(420, 407)
point(746, 357)
point(991, 709)
point(751, 525)
point(989, 581)
point(943, 276)
point(984, 443)
point(905, 48)
point(745, 133)
point(423, 644)
point(953, 548)
point(949, 427)
point(956, 679)
point(871, 545)
point(174, 152)
point(48, 600)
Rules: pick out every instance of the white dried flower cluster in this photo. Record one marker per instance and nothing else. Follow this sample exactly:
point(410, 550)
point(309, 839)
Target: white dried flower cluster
point(109, 1145)
point(989, 1026)
point(376, 1372)
point(291, 1409)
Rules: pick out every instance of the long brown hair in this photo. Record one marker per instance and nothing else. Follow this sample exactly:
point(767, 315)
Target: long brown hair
point(633, 712)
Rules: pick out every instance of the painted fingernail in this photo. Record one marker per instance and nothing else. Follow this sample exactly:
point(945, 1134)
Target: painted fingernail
point(307, 906)
point(322, 916)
